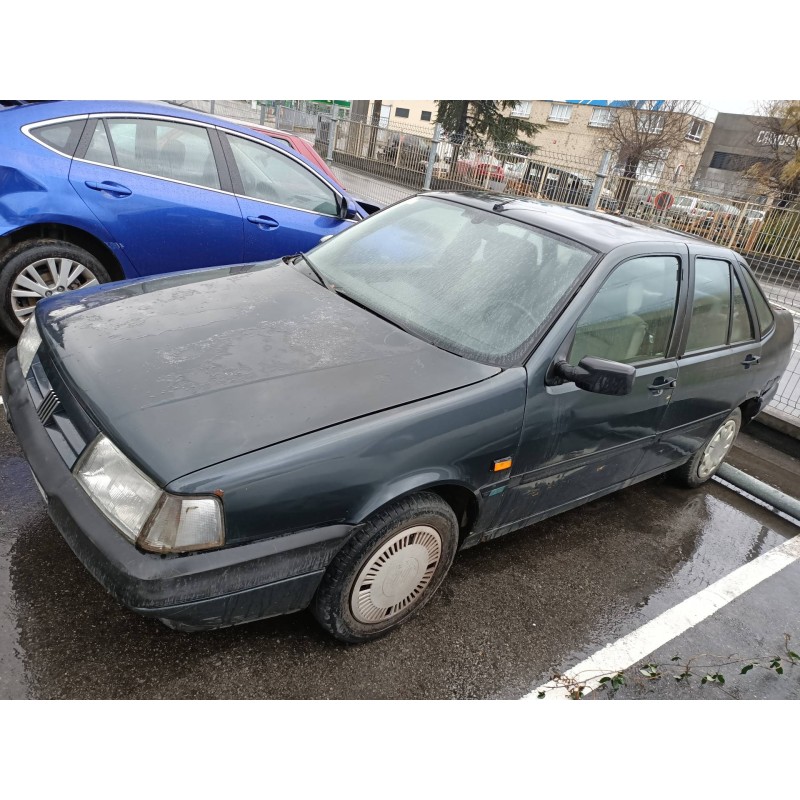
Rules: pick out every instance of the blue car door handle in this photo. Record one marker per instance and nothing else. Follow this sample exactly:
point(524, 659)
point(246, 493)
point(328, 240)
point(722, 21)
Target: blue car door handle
point(116, 189)
point(265, 222)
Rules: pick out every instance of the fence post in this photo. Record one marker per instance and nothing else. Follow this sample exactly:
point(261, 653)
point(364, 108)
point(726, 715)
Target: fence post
point(432, 153)
point(263, 114)
point(212, 107)
point(331, 139)
point(602, 174)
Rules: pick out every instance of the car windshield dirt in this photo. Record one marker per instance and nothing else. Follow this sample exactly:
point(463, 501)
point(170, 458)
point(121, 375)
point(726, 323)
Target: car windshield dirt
point(470, 281)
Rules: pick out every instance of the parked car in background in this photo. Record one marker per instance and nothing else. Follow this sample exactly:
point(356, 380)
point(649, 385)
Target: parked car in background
point(92, 192)
point(328, 431)
point(562, 186)
point(405, 150)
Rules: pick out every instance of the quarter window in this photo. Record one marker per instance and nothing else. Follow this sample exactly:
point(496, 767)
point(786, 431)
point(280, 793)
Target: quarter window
point(61, 136)
point(160, 148)
point(741, 324)
point(763, 311)
point(276, 178)
point(631, 317)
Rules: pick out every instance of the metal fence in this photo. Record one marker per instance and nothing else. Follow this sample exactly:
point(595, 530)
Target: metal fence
point(388, 162)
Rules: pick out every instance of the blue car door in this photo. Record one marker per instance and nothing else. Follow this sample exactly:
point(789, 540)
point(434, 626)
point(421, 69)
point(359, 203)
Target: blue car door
point(162, 190)
point(287, 206)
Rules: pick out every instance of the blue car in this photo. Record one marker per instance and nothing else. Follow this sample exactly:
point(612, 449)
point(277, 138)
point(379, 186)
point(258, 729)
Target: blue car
point(95, 191)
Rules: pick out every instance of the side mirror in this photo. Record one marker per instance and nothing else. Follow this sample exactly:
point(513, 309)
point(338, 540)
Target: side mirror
point(598, 375)
point(341, 207)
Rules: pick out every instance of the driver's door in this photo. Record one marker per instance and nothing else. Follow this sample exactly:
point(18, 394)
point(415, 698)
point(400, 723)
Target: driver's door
point(286, 206)
point(575, 443)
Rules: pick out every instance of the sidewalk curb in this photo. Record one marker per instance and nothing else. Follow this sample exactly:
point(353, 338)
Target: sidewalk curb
point(779, 421)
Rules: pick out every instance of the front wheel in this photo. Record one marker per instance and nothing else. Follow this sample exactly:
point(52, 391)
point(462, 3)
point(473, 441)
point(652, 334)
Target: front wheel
point(33, 270)
point(389, 570)
point(707, 460)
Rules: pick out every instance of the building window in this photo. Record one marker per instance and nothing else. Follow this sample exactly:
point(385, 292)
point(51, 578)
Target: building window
point(695, 132)
point(560, 113)
point(652, 165)
point(650, 123)
point(401, 112)
point(522, 109)
point(601, 118)
point(425, 116)
point(733, 162)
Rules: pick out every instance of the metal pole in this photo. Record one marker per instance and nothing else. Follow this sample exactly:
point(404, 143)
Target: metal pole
point(331, 139)
point(764, 492)
point(432, 153)
point(263, 115)
point(602, 174)
point(212, 106)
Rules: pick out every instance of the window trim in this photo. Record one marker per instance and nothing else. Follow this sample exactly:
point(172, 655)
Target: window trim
point(225, 174)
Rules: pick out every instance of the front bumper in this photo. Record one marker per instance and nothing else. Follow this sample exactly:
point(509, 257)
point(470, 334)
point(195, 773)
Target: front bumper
point(189, 592)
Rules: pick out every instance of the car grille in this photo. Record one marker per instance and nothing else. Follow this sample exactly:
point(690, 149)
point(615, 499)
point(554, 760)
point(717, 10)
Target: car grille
point(64, 419)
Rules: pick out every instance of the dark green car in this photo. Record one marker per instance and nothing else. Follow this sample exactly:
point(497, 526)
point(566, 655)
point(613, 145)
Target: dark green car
point(326, 431)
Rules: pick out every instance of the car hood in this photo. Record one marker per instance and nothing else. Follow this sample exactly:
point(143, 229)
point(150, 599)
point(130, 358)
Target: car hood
point(195, 368)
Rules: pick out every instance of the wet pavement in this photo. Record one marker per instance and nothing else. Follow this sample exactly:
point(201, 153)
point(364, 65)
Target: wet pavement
point(509, 614)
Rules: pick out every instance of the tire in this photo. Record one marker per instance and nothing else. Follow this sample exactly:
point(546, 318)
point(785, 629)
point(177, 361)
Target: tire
point(697, 470)
point(399, 557)
point(27, 260)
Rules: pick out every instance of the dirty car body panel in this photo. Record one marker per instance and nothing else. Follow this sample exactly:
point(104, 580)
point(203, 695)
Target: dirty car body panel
point(307, 399)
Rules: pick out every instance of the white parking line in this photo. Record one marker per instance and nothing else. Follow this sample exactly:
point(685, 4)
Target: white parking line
point(630, 649)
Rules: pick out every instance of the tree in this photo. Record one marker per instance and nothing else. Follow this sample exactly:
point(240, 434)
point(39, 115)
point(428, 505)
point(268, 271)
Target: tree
point(776, 131)
point(468, 123)
point(643, 132)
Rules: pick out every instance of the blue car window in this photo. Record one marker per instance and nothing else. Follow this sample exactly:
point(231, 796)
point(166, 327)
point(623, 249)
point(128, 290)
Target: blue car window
point(99, 148)
point(160, 148)
point(61, 136)
point(276, 178)
point(631, 317)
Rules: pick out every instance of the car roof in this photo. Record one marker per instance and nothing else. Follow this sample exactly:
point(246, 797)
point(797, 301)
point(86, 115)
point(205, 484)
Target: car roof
point(600, 231)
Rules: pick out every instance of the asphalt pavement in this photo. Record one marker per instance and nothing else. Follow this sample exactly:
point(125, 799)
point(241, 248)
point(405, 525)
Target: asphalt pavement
point(510, 614)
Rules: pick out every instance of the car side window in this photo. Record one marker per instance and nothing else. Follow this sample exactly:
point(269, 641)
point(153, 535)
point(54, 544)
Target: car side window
point(741, 324)
point(61, 136)
point(631, 317)
point(160, 148)
point(277, 178)
point(717, 305)
point(763, 311)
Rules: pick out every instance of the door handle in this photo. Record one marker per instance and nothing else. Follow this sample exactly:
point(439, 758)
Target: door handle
point(117, 189)
point(264, 222)
point(750, 360)
point(659, 384)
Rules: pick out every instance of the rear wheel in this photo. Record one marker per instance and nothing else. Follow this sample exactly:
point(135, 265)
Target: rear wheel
point(389, 570)
point(707, 460)
point(42, 268)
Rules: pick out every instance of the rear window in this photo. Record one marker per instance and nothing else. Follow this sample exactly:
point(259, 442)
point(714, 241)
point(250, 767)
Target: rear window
point(61, 136)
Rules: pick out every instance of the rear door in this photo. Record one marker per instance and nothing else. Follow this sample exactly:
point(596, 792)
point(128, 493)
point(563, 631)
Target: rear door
point(286, 206)
point(718, 368)
point(161, 188)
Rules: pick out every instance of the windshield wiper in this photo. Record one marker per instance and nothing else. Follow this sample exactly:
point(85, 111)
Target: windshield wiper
point(320, 277)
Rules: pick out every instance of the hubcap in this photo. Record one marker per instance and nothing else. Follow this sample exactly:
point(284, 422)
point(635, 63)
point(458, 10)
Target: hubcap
point(717, 449)
point(44, 278)
point(396, 575)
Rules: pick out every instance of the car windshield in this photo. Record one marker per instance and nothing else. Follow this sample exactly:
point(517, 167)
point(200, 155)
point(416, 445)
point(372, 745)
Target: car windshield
point(470, 281)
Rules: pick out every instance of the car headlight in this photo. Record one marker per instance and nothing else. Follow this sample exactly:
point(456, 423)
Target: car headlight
point(153, 519)
point(27, 345)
